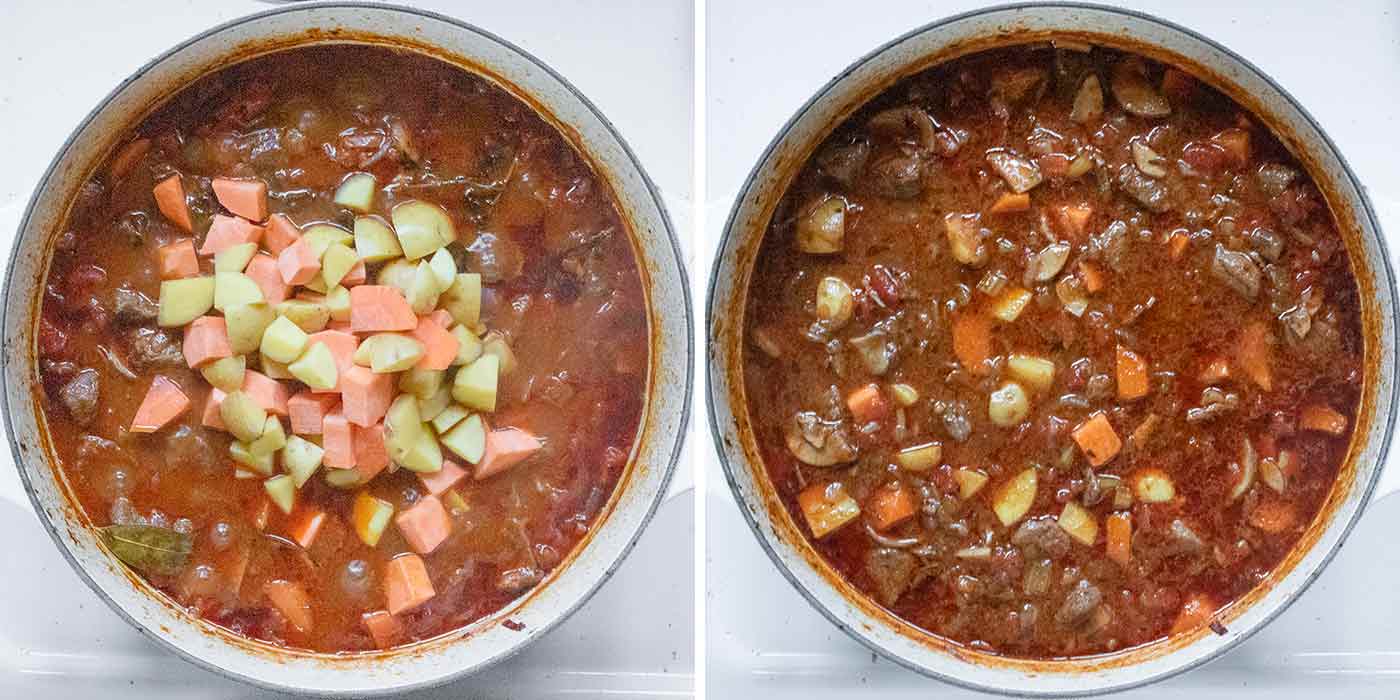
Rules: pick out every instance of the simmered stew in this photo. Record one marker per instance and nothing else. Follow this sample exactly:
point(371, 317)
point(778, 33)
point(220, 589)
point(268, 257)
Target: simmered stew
point(343, 348)
point(1053, 351)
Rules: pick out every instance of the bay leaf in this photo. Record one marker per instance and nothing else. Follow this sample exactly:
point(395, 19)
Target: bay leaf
point(149, 549)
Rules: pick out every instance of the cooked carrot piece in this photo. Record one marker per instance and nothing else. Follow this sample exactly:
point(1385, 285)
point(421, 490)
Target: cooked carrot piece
point(1195, 613)
point(1236, 144)
point(1323, 419)
point(439, 345)
point(1132, 375)
point(972, 342)
point(1073, 220)
point(206, 340)
point(406, 583)
point(246, 198)
point(177, 260)
point(1176, 245)
point(371, 454)
point(262, 269)
point(356, 276)
point(375, 308)
point(867, 404)
point(426, 525)
point(505, 448)
point(228, 231)
point(163, 403)
point(291, 600)
point(271, 394)
point(127, 157)
point(442, 479)
point(338, 442)
point(1091, 275)
point(1010, 202)
point(365, 396)
point(1273, 515)
point(1097, 439)
point(1255, 354)
point(443, 318)
point(170, 199)
point(211, 417)
point(298, 263)
point(308, 410)
point(890, 505)
point(1119, 533)
point(385, 629)
point(280, 233)
point(307, 527)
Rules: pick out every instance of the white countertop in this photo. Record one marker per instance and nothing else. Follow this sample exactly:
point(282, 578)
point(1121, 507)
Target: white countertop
point(635, 637)
point(764, 61)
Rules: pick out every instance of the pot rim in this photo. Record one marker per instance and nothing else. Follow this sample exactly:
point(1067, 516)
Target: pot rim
point(731, 232)
point(676, 448)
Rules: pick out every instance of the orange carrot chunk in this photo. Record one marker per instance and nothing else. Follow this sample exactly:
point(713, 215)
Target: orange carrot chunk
point(442, 479)
point(426, 525)
point(439, 345)
point(1092, 276)
point(371, 454)
point(1119, 533)
point(228, 231)
point(271, 394)
point(280, 233)
point(211, 418)
point(365, 396)
point(1177, 244)
point(298, 263)
point(1097, 439)
point(206, 340)
point(1132, 375)
point(1323, 419)
point(1195, 613)
point(262, 269)
point(291, 600)
point(406, 583)
point(338, 442)
point(375, 308)
point(246, 198)
point(1255, 354)
point(1073, 220)
point(385, 629)
point(972, 342)
point(307, 527)
point(308, 411)
point(505, 448)
point(1236, 144)
point(867, 404)
point(163, 403)
point(170, 199)
point(890, 505)
point(177, 260)
point(1010, 202)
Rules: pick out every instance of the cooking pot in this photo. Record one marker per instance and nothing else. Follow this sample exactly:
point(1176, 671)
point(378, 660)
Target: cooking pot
point(782, 538)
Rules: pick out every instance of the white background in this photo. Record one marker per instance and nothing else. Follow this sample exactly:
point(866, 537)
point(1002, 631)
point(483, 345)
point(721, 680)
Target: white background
point(58, 59)
point(1340, 59)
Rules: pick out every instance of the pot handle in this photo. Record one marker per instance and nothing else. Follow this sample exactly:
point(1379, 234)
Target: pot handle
point(1388, 212)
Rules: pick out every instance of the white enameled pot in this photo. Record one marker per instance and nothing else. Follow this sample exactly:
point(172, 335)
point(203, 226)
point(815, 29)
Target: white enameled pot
point(621, 521)
point(846, 607)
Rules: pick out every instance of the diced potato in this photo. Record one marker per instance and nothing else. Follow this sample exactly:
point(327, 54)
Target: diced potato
point(821, 229)
point(422, 383)
point(235, 289)
point(904, 394)
point(310, 316)
point(970, 481)
point(1015, 497)
point(1036, 372)
point(835, 301)
point(397, 273)
point(475, 384)
point(316, 367)
point(447, 418)
point(243, 416)
point(337, 302)
point(317, 284)
point(920, 458)
point(1153, 486)
point(422, 228)
point(283, 341)
point(1079, 523)
point(388, 352)
point(301, 458)
point(242, 453)
point(246, 325)
point(467, 438)
point(827, 507)
point(463, 299)
point(468, 345)
point(342, 478)
point(1010, 303)
point(370, 516)
point(444, 269)
point(423, 293)
point(184, 300)
point(374, 240)
point(416, 452)
point(403, 416)
point(274, 369)
point(337, 262)
point(356, 192)
point(226, 374)
point(273, 438)
point(495, 344)
point(320, 237)
point(429, 408)
point(282, 492)
point(1008, 405)
point(235, 257)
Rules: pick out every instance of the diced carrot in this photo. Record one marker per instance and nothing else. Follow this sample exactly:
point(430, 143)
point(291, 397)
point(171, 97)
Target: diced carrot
point(290, 599)
point(298, 263)
point(1218, 370)
point(263, 270)
point(356, 276)
point(1073, 220)
point(271, 394)
point(442, 479)
point(426, 525)
point(337, 441)
point(371, 454)
point(1195, 613)
point(365, 396)
point(1010, 202)
point(867, 404)
point(890, 505)
point(1097, 439)
point(443, 318)
point(439, 346)
point(342, 345)
point(127, 157)
point(1323, 419)
point(375, 308)
point(1255, 354)
point(281, 232)
point(307, 411)
point(211, 417)
point(246, 198)
point(307, 526)
point(1177, 84)
point(505, 448)
point(972, 342)
point(170, 199)
point(1118, 530)
point(1132, 375)
point(1091, 275)
point(163, 403)
point(385, 629)
point(1236, 144)
point(1273, 515)
point(406, 583)
point(1176, 245)
point(228, 231)
point(177, 260)
point(335, 325)
point(206, 340)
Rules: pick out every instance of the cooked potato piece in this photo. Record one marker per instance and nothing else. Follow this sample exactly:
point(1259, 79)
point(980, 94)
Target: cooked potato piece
point(468, 345)
point(444, 269)
point(184, 300)
point(835, 302)
point(235, 289)
point(336, 263)
point(226, 374)
point(1008, 405)
point(475, 384)
point(242, 453)
point(1079, 523)
point(343, 478)
point(301, 458)
point(1010, 303)
point(467, 438)
point(495, 344)
point(374, 240)
point(398, 273)
point(337, 301)
point(970, 481)
point(417, 451)
point(243, 416)
point(422, 228)
point(1036, 372)
point(235, 257)
point(356, 192)
point(1153, 486)
point(283, 341)
point(282, 491)
point(447, 418)
point(1015, 497)
point(246, 325)
point(310, 316)
point(920, 458)
point(423, 292)
point(431, 406)
point(822, 228)
point(422, 383)
point(388, 352)
point(316, 367)
point(273, 438)
point(463, 299)
point(827, 507)
point(320, 237)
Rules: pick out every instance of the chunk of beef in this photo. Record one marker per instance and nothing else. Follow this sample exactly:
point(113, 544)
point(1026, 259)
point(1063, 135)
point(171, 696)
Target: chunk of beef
point(153, 348)
point(896, 176)
point(132, 308)
point(190, 447)
point(1237, 271)
point(1079, 606)
point(1042, 534)
point(844, 162)
point(892, 571)
point(79, 396)
point(1150, 192)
